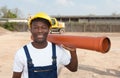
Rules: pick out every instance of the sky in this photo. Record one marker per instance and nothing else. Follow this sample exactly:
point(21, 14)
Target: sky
point(64, 7)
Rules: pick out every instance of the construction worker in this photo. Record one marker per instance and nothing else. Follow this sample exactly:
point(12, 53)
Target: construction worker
point(41, 58)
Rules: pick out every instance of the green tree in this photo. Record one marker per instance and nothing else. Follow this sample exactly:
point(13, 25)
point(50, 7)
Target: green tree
point(9, 13)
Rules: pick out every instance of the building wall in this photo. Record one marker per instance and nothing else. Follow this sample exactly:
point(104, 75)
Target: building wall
point(91, 27)
point(79, 24)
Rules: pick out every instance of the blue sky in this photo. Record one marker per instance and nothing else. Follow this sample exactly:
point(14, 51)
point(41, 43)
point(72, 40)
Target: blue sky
point(64, 7)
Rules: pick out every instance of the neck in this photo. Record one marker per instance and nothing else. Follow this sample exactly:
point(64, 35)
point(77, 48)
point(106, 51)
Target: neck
point(39, 45)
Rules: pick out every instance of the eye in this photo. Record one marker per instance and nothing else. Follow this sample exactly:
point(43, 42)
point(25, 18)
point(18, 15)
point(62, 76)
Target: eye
point(35, 27)
point(45, 27)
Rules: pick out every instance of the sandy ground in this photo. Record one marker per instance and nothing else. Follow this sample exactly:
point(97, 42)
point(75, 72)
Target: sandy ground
point(92, 64)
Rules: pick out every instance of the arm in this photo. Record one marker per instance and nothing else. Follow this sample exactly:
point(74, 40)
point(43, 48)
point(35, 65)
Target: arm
point(18, 65)
point(16, 74)
point(72, 66)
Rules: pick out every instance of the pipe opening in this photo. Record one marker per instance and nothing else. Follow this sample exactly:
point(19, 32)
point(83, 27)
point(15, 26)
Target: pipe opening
point(106, 45)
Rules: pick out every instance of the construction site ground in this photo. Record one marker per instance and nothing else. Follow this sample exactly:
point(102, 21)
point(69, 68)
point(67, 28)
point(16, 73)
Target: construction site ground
point(92, 64)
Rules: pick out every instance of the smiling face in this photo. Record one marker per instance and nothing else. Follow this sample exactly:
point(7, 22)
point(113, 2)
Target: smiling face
point(39, 29)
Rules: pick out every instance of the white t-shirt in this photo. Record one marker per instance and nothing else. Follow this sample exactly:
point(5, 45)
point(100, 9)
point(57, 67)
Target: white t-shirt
point(40, 57)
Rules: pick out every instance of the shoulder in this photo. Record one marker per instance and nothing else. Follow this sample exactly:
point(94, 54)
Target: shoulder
point(20, 52)
point(58, 47)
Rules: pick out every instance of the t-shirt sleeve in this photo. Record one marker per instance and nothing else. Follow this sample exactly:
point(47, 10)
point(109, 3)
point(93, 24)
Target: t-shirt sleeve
point(65, 56)
point(18, 61)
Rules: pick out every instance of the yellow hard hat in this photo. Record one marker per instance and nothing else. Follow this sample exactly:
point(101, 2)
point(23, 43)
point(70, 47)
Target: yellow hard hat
point(40, 15)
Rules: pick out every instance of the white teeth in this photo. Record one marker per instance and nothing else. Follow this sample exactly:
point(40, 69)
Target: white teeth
point(40, 36)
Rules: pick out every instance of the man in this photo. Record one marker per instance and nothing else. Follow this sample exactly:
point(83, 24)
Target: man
point(41, 58)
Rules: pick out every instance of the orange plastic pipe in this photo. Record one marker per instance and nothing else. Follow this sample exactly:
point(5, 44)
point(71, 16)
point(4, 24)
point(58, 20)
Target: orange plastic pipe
point(100, 44)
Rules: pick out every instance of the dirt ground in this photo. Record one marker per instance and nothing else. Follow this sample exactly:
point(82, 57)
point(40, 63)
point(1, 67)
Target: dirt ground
point(92, 64)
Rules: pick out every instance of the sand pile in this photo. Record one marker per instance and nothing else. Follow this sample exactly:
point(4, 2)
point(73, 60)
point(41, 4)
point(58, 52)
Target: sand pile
point(3, 31)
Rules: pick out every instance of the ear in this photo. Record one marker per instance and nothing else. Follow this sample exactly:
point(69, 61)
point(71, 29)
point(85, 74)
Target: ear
point(49, 30)
point(30, 30)
point(31, 37)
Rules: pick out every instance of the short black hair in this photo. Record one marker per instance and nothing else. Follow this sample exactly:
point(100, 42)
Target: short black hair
point(42, 20)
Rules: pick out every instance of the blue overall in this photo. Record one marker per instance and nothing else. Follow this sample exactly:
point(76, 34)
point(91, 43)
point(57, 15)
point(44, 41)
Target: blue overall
point(42, 71)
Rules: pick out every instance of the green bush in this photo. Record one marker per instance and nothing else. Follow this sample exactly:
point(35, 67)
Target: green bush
point(9, 26)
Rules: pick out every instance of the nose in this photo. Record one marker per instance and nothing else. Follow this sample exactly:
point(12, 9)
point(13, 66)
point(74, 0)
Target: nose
point(40, 29)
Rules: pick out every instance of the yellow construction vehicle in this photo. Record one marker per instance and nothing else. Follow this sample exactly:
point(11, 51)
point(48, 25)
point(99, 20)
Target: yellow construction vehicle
point(57, 26)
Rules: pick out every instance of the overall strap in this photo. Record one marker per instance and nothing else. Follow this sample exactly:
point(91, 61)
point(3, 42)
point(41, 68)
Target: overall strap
point(54, 54)
point(29, 60)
